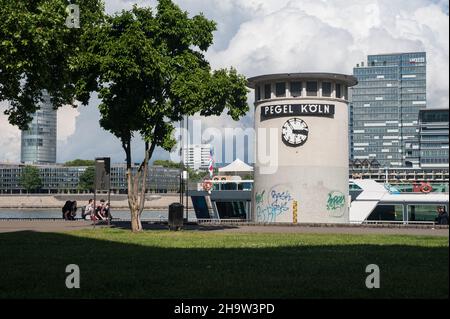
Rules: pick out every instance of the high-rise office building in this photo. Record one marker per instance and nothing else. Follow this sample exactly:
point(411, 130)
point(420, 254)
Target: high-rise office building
point(433, 129)
point(38, 143)
point(196, 156)
point(385, 109)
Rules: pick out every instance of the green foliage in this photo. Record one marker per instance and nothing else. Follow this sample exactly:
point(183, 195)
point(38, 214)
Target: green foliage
point(166, 163)
point(193, 174)
point(80, 162)
point(196, 176)
point(87, 179)
point(37, 53)
point(150, 71)
point(30, 178)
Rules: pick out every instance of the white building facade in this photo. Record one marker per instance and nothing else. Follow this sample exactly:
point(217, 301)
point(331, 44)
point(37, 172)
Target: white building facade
point(197, 156)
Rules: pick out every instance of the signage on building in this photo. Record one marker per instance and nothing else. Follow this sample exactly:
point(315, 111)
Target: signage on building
point(417, 60)
point(274, 111)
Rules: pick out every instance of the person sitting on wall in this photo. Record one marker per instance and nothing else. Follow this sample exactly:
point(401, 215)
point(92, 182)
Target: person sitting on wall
point(442, 218)
point(100, 211)
point(73, 210)
point(88, 210)
point(107, 211)
point(66, 210)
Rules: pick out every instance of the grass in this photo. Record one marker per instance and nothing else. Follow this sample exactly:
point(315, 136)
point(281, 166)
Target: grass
point(116, 263)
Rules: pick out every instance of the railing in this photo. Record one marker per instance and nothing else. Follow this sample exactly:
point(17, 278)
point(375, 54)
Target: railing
point(399, 222)
point(221, 221)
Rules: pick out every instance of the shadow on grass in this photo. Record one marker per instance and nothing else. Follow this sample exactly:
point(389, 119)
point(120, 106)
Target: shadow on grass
point(126, 225)
point(33, 266)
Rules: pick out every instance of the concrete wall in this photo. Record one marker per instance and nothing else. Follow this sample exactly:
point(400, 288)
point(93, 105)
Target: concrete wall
point(158, 201)
point(312, 177)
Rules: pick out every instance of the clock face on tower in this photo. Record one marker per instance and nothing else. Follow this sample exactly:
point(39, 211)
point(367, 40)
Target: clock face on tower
point(294, 132)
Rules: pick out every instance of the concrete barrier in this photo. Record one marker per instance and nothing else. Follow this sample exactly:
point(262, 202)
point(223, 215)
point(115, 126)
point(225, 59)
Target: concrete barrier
point(153, 201)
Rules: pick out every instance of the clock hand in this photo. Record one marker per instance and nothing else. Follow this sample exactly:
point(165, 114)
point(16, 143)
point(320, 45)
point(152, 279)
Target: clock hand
point(303, 131)
point(291, 125)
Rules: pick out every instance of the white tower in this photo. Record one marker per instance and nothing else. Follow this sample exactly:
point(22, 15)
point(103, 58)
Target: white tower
point(309, 114)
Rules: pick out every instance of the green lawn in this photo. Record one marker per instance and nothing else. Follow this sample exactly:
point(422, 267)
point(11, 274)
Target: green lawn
point(160, 264)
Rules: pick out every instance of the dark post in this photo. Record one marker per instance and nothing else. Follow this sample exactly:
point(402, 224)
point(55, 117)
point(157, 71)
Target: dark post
point(109, 206)
point(187, 172)
point(181, 163)
point(103, 179)
point(95, 206)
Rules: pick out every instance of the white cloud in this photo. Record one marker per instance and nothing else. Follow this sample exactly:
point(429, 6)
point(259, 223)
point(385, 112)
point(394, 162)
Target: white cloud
point(9, 139)
point(67, 116)
point(332, 36)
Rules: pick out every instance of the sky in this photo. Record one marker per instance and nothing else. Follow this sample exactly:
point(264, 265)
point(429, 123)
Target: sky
point(274, 36)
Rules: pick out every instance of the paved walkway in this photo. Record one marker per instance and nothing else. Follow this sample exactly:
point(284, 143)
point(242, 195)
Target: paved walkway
point(61, 225)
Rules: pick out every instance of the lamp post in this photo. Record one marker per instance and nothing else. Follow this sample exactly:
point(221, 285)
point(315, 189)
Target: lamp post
point(181, 162)
point(187, 172)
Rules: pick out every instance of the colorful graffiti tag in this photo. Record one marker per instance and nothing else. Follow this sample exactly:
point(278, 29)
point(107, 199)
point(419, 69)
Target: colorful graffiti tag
point(260, 197)
point(272, 204)
point(336, 203)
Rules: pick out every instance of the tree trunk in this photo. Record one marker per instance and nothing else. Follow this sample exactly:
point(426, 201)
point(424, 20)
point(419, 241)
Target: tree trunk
point(136, 225)
point(136, 196)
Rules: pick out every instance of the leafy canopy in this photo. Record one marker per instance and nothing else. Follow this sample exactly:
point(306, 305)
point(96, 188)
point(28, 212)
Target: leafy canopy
point(149, 69)
point(37, 52)
point(30, 178)
point(87, 179)
point(80, 162)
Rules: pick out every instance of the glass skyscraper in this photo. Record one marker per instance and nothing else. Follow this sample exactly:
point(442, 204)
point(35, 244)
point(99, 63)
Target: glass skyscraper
point(385, 109)
point(434, 139)
point(38, 143)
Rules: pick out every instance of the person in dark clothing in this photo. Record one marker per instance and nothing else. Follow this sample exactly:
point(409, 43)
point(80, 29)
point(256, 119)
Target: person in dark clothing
point(69, 210)
point(73, 210)
point(66, 210)
point(100, 212)
point(442, 218)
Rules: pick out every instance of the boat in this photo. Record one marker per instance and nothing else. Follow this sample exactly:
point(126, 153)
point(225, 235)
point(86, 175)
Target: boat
point(229, 198)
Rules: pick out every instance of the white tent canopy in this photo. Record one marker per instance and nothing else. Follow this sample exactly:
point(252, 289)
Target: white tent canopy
point(236, 166)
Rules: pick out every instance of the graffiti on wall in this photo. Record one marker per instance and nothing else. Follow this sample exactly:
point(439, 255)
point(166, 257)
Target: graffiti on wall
point(260, 197)
point(336, 203)
point(272, 204)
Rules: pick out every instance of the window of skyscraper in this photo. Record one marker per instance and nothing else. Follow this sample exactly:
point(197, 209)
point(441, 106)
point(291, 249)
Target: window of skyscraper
point(338, 91)
point(296, 89)
point(280, 89)
point(311, 88)
point(326, 89)
point(267, 91)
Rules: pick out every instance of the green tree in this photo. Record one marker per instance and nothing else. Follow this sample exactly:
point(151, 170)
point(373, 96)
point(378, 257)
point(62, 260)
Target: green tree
point(37, 52)
point(167, 163)
point(196, 176)
point(87, 179)
point(30, 178)
point(150, 71)
point(80, 162)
